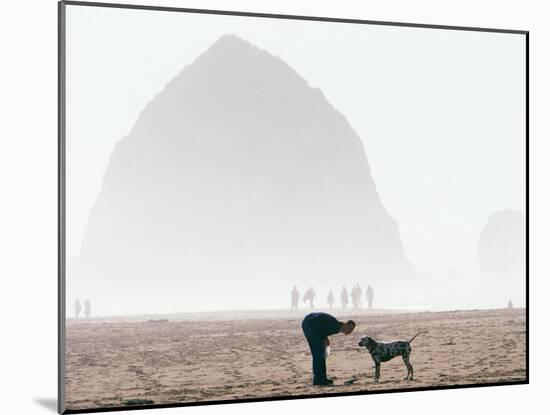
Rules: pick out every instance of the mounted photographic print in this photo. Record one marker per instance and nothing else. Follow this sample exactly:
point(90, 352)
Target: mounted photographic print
point(260, 207)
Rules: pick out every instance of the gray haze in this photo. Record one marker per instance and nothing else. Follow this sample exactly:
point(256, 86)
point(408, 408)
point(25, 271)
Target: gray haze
point(239, 179)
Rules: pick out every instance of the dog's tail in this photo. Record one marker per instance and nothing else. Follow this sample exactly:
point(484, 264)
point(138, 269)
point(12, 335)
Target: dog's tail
point(420, 332)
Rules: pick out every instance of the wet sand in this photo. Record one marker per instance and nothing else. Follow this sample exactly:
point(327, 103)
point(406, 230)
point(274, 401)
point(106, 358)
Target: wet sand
point(220, 356)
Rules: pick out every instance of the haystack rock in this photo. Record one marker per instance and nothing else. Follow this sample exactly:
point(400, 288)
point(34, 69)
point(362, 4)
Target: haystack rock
point(238, 181)
point(501, 252)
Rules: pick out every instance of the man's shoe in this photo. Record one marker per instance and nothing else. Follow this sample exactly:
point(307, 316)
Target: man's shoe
point(323, 382)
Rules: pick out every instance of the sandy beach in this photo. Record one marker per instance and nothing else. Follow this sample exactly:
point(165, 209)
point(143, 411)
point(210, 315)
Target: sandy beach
point(174, 359)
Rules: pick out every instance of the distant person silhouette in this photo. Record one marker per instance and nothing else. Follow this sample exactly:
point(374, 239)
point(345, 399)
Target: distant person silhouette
point(510, 305)
point(330, 299)
point(370, 296)
point(294, 297)
point(344, 297)
point(359, 297)
point(87, 309)
point(77, 308)
point(310, 296)
point(355, 296)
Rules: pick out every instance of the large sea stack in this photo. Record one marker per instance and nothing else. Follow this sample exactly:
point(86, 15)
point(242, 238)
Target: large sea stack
point(238, 181)
point(502, 254)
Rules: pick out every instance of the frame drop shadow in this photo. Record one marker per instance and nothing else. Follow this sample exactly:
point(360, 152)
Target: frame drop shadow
point(48, 403)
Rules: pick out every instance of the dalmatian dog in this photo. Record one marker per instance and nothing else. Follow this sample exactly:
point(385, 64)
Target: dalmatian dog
point(382, 352)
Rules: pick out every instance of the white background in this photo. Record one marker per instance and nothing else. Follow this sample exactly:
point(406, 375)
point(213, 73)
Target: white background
point(28, 225)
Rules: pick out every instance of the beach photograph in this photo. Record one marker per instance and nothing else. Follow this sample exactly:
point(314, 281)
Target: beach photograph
point(267, 208)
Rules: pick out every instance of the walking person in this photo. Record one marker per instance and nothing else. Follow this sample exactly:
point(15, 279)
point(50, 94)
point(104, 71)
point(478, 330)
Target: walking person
point(77, 308)
point(310, 296)
point(87, 308)
point(354, 296)
point(294, 297)
point(370, 296)
point(359, 295)
point(344, 297)
point(330, 299)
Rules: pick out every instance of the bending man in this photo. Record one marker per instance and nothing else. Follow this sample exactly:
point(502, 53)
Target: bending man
point(317, 327)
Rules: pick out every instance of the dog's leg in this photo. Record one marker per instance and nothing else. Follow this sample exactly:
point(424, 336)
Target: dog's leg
point(409, 367)
point(377, 371)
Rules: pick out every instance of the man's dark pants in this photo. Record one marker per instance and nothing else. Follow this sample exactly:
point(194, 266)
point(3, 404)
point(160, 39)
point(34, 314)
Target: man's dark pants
point(317, 346)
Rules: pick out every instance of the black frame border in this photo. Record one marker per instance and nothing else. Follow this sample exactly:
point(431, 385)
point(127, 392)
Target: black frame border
point(61, 266)
point(61, 119)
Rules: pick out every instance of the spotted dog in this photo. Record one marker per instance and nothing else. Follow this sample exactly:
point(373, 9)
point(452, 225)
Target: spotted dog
point(382, 352)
